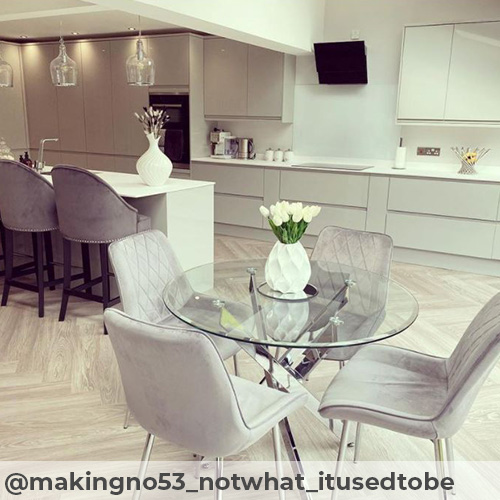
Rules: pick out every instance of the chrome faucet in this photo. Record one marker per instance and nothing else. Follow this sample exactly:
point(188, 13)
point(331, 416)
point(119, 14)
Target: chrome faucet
point(40, 164)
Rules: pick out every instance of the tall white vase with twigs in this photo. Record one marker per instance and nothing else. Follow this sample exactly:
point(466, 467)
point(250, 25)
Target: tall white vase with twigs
point(154, 167)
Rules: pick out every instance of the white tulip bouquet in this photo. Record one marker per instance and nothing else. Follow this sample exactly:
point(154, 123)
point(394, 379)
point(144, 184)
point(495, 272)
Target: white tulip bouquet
point(289, 221)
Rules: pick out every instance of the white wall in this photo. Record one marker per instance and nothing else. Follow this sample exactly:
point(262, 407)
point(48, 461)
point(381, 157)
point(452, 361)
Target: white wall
point(286, 25)
point(359, 121)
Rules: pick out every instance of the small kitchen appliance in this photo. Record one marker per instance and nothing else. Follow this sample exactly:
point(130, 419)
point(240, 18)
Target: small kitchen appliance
point(224, 145)
point(246, 150)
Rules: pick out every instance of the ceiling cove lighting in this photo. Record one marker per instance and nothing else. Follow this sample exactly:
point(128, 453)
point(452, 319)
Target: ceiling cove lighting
point(6, 73)
point(140, 68)
point(63, 70)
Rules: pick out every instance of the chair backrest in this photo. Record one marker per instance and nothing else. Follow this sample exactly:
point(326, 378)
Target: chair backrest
point(360, 249)
point(177, 386)
point(144, 264)
point(469, 365)
point(89, 209)
point(27, 201)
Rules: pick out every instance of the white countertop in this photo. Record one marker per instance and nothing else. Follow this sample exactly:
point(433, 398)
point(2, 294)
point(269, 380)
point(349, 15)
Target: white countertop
point(379, 167)
point(131, 185)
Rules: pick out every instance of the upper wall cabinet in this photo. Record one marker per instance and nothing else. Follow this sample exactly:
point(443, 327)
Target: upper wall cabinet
point(243, 81)
point(171, 57)
point(450, 74)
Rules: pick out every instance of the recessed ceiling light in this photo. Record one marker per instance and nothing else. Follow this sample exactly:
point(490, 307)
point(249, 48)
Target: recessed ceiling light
point(75, 33)
point(132, 28)
point(23, 36)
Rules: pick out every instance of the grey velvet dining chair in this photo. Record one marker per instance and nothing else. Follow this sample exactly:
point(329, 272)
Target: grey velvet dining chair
point(144, 264)
point(210, 413)
point(413, 393)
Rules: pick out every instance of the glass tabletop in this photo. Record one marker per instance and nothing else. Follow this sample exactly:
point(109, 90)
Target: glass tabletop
point(341, 307)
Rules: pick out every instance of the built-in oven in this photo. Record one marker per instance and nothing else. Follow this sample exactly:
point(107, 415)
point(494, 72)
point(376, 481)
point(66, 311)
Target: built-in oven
point(174, 140)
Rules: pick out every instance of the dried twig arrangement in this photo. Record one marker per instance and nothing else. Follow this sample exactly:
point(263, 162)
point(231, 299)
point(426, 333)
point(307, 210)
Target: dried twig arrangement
point(153, 120)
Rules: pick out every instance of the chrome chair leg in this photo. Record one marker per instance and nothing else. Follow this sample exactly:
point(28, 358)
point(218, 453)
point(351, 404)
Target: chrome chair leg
point(127, 418)
point(235, 361)
point(439, 458)
point(277, 457)
point(346, 424)
point(357, 443)
point(219, 468)
point(331, 424)
point(146, 455)
point(450, 458)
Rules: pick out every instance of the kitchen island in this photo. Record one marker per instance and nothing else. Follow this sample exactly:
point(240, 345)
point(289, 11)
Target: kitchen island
point(182, 209)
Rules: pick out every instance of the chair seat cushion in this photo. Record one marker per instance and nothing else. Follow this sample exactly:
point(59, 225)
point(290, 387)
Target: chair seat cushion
point(143, 223)
point(389, 387)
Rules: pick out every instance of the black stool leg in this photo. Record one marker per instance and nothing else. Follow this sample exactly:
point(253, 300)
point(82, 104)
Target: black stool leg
point(103, 250)
point(67, 279)
point(2, 242)
point(9, 264)
point(49, 257)
point(37, 239)
point(87, 271)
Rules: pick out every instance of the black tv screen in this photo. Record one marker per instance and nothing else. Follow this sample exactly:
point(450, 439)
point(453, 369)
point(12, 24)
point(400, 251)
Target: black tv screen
point(341, 63)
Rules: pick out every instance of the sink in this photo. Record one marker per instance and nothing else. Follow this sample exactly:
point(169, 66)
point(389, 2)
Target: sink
point(333, 166)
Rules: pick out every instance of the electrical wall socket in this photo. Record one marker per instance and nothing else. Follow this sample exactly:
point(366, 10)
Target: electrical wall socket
point(421, 151)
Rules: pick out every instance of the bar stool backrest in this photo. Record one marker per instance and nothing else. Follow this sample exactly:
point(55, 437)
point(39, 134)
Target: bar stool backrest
point(89, 209)
point(27, 200)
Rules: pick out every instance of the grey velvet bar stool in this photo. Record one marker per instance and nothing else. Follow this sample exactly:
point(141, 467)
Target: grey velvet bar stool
point(91, 212)
point(2, 243)
point(27, 205)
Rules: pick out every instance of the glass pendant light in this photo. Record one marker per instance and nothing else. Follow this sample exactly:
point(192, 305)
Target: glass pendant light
point(63, 70)
point(6, 73)
point(140, 68)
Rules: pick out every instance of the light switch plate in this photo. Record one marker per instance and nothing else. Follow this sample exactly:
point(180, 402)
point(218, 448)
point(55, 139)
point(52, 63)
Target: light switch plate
point(425, 151)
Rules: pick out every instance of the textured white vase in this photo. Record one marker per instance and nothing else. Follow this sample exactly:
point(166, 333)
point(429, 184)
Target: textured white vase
point(154, 167)
point(288, 268)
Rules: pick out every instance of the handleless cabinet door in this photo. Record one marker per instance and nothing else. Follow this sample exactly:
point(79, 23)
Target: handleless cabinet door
point(70, 108)
point(171, 57)
point(226, 78)
point(424, 72)
point(129, 138)
point(41, 95)
point(473, 91)
point(265, 82)
point(98, 96)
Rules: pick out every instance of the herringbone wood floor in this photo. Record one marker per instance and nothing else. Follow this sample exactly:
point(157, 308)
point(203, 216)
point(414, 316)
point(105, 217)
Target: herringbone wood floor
point(61, 396)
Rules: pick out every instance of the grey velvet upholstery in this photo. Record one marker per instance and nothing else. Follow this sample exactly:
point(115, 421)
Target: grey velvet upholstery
point(90, 210)
point(27, 201)
point(178, 388)
point(413, 393)
point(144, 264)
point(359, 250)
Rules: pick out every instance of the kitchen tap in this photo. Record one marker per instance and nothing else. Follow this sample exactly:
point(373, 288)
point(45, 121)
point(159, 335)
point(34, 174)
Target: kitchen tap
point(40, 164)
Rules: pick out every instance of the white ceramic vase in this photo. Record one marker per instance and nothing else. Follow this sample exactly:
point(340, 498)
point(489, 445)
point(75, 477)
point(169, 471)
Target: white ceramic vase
point(288, 268)
point(154, 167)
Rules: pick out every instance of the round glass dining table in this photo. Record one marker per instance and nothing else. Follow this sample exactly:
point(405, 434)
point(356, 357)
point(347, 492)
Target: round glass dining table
point(341, 307)
point(340, 310)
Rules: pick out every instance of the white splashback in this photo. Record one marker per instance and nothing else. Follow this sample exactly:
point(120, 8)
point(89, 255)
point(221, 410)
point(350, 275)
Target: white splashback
point(266, 134)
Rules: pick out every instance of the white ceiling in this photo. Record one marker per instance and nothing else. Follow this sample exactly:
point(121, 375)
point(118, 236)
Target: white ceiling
point(40, 20)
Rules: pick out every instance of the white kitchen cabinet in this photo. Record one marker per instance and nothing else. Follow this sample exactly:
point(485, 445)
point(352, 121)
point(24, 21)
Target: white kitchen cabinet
point(474, 83)
point(244, 81)
point(41, 95)
point(449, 198)
point(470, 238)
point(98, 96)
point(171, 57)
point(226, 78)
point(328, 188)
point(424, 72)
point(238, 211)
point(129, 138)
